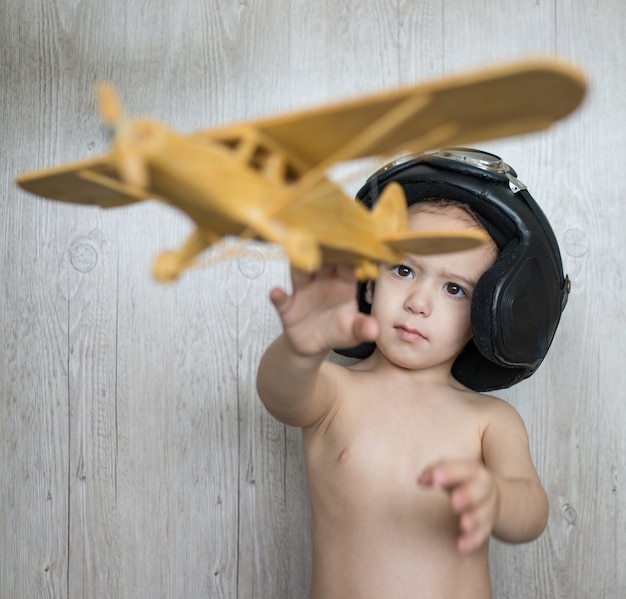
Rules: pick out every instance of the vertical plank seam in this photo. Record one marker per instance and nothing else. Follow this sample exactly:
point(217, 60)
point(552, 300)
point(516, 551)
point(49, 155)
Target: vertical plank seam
point(285, 457)
point(556, 27)
point(238, 388)
point(285, 555)
point(69, 429)
point(443, 37)
point(117, 357)
point(398, 34)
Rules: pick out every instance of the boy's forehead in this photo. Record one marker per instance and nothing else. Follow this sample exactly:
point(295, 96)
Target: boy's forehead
point(468, 265)
point(423, 215)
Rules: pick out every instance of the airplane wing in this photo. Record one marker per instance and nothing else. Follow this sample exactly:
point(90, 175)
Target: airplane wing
point(488, 104)
point(88, 182)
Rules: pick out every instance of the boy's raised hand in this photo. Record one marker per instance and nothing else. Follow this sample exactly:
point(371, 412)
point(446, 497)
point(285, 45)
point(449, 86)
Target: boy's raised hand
point(322, 313)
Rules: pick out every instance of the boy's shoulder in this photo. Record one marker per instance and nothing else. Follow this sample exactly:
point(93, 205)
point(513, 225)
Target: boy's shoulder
point(500, 418)
point(490, 404)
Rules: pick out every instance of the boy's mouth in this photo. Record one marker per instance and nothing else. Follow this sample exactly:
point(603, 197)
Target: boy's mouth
point(409, 334)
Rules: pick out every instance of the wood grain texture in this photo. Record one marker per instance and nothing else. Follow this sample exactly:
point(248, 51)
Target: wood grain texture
point(135, 458)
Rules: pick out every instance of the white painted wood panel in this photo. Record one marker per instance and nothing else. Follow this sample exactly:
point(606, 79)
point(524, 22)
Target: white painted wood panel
point(135, 458)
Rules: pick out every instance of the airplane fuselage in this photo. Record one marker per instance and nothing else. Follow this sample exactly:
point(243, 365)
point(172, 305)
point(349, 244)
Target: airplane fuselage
point(226, 197)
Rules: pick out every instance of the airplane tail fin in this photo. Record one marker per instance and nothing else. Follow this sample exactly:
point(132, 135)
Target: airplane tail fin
point(390, 212)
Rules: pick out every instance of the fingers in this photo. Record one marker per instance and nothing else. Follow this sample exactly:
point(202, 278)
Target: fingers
point(475, 527)
point(321, 312)
point(329, 286)
point(446, 475)
point(299, 278)
point(344, 273)
point(473, 497)
point(279, 299)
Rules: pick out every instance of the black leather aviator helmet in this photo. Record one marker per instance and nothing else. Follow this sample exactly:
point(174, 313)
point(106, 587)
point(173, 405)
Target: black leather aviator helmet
point(517, 303)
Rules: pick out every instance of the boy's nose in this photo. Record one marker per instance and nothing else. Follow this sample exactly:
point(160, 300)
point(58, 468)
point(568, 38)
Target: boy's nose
point(419, 300)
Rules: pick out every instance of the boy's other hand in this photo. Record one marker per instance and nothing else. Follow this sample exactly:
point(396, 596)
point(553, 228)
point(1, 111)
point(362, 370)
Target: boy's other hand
point(322, 312)
point(473, 497)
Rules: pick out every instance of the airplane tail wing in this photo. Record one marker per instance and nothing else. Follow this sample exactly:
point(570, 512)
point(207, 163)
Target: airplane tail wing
point(435, 242)
point(390, 213)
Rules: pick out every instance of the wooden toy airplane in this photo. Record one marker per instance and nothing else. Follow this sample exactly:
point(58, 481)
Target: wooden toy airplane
point(266, 179)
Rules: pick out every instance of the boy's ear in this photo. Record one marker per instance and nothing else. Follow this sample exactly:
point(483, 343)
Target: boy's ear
point(369, 292)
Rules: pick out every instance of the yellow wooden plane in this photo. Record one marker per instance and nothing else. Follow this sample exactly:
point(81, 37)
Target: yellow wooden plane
point(266, 179)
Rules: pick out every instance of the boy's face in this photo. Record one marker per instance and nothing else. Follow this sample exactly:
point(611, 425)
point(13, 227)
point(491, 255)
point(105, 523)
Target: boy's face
point(423, 304)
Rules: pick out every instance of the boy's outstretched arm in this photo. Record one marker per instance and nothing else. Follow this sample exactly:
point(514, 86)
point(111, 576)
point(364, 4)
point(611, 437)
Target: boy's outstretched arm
point(503, 496)
point(295, 383)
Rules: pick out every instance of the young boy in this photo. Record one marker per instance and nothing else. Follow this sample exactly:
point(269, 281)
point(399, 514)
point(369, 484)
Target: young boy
point(410, 470)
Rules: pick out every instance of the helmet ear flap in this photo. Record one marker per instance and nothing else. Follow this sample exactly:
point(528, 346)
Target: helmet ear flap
point(481, 312)
point(506, 344)
point(486, 333)
point(479, 366)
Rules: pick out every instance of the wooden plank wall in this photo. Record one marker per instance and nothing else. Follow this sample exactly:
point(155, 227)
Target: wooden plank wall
point(135, 458)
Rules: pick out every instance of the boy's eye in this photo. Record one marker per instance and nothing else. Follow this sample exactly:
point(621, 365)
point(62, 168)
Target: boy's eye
point(455, 290)
point(402, 271)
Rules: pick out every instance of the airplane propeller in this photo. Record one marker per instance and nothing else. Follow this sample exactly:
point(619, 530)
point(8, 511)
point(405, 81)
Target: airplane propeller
point(128, 145)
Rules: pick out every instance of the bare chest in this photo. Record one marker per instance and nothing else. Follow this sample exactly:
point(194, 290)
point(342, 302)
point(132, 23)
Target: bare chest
point(369, 457)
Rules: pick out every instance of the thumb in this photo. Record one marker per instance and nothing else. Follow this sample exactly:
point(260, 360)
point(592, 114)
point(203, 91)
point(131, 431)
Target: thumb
point(365, 329)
